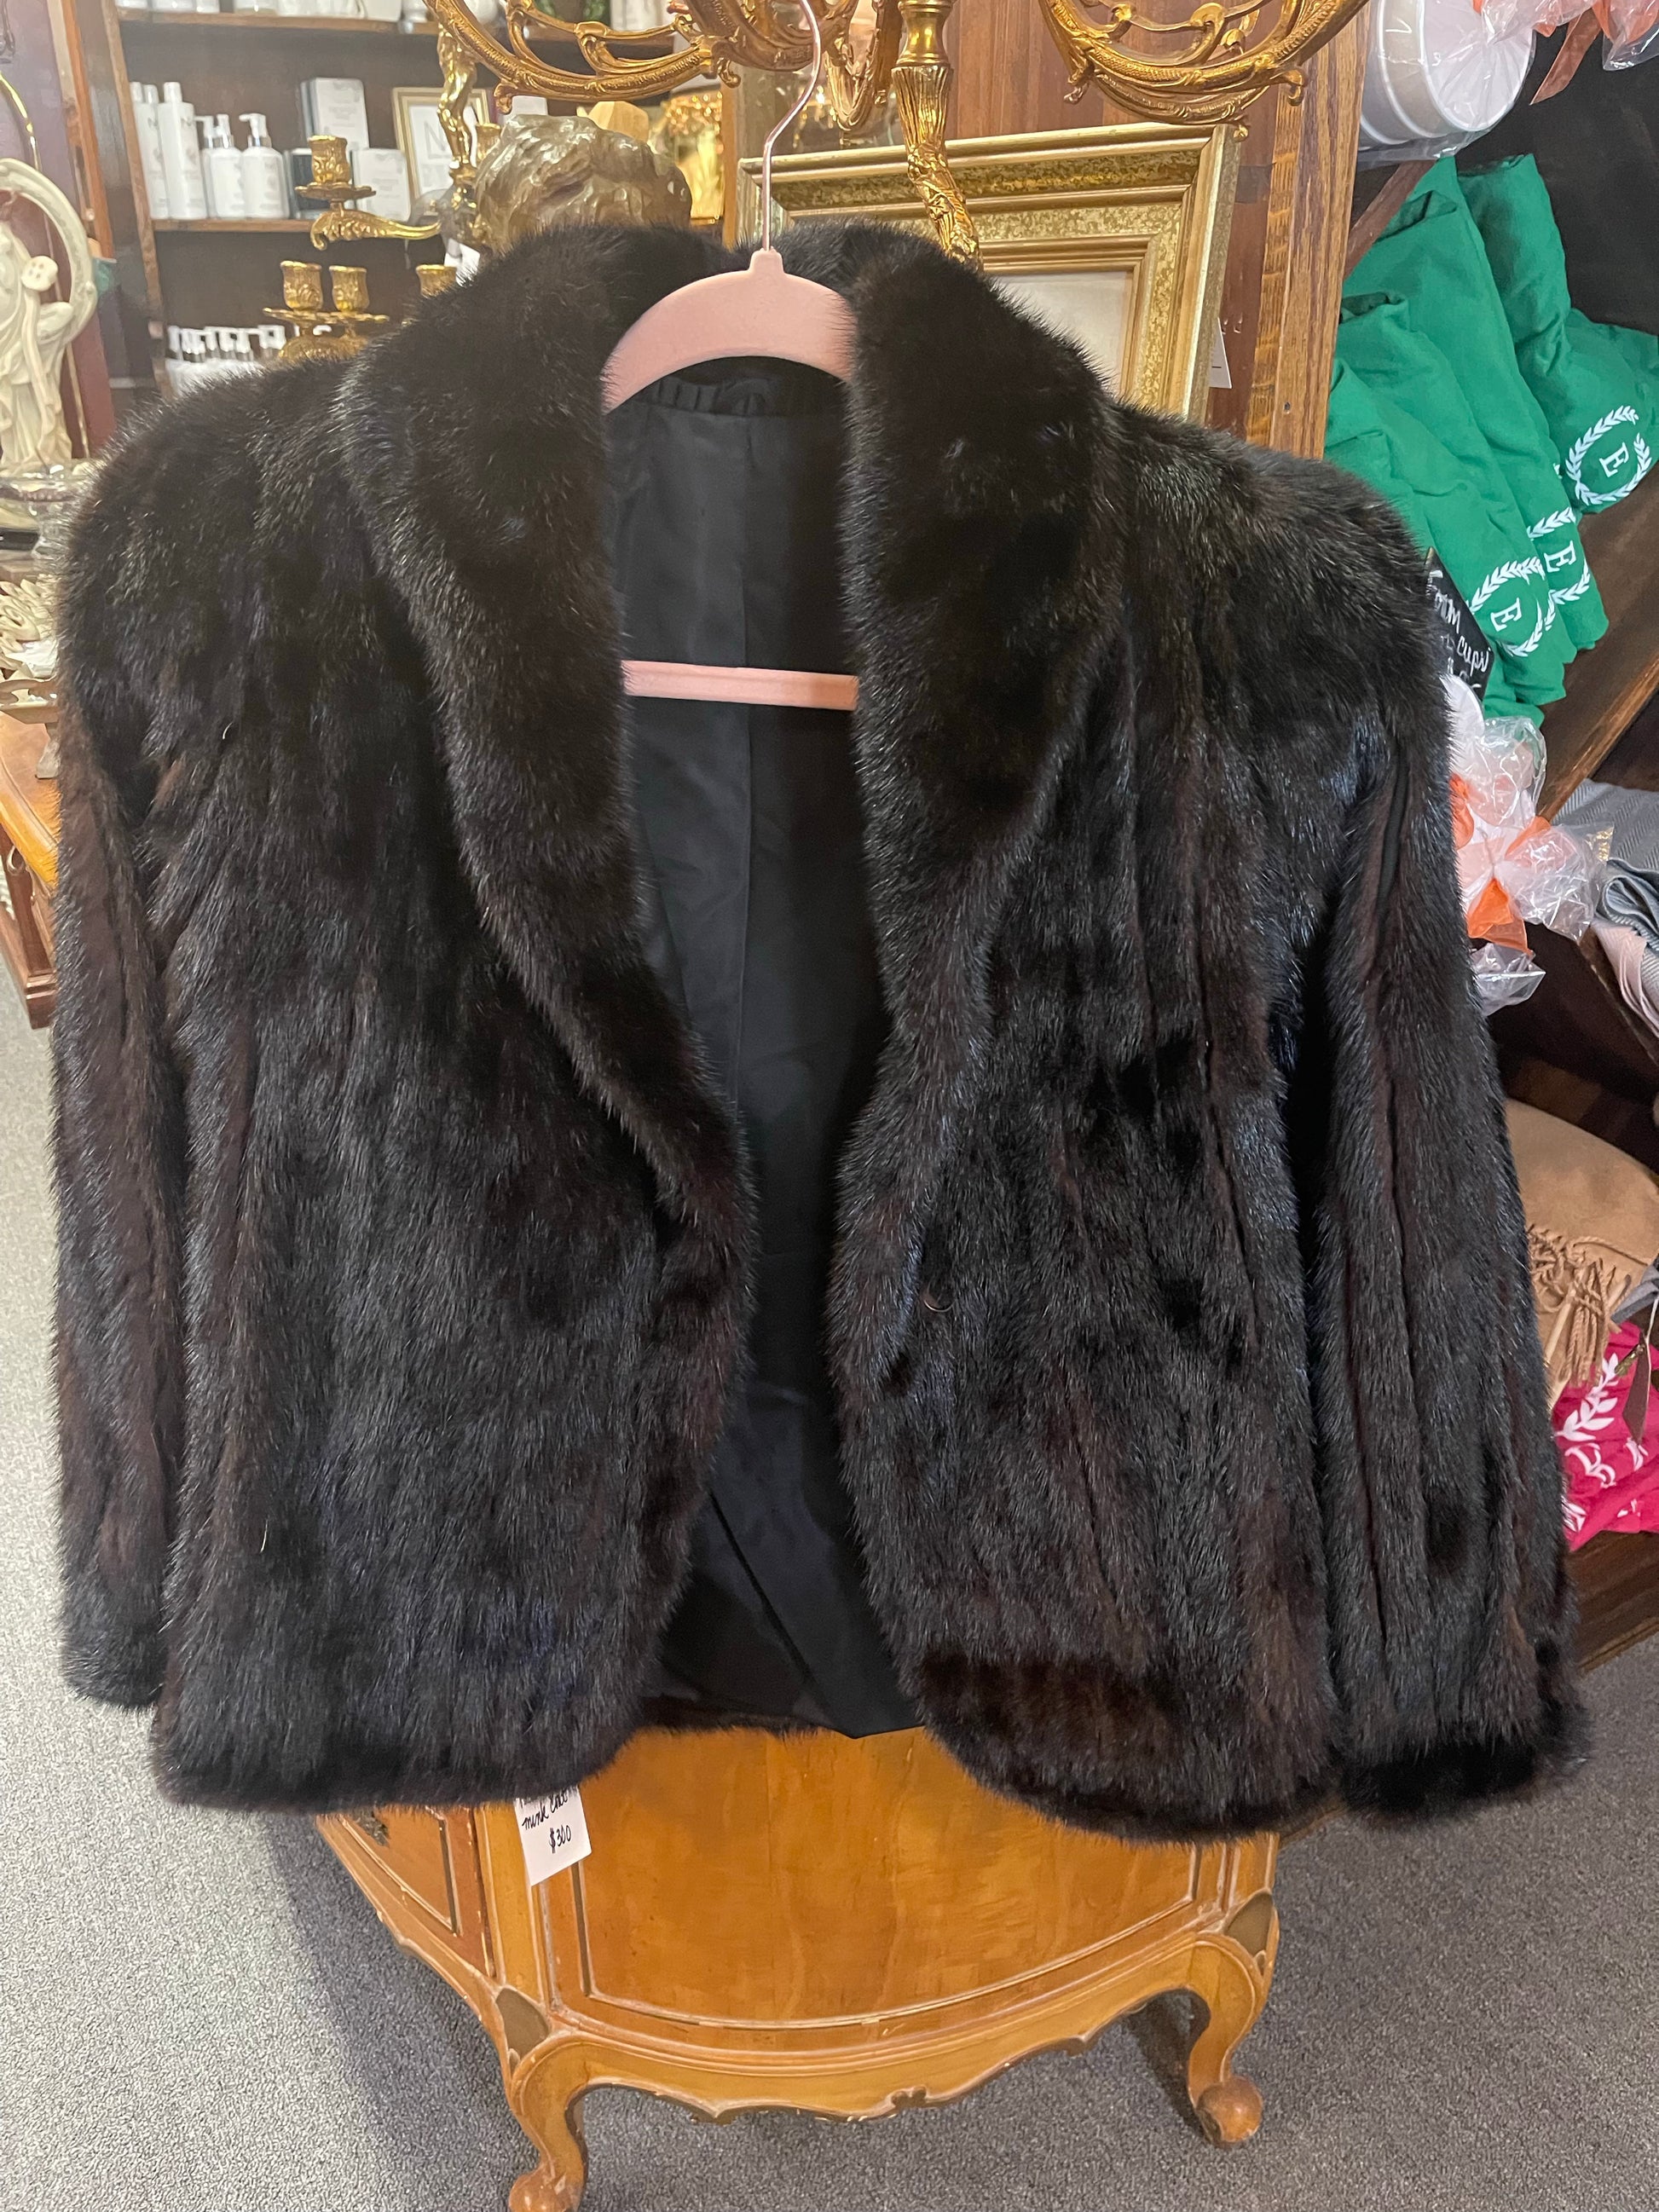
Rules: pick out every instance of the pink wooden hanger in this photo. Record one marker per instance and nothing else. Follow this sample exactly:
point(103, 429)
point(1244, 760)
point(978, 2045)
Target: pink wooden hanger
point(761, 310)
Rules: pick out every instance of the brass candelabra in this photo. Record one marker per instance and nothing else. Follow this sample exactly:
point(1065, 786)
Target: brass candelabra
point(1207, 67)
point(333, 184)
point(317, 330)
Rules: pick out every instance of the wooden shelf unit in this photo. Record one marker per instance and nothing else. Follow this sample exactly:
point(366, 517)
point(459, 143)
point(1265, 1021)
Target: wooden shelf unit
point(1617, 1580)
point(211, 225)
point(263, 24)
point(1608, 687)
point(233, 64)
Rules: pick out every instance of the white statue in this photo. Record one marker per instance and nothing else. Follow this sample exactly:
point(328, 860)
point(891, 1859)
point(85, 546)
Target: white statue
point(36, 330)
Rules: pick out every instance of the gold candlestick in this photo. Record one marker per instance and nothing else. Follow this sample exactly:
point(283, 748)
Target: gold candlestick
point(332, 182)
point(317, 332)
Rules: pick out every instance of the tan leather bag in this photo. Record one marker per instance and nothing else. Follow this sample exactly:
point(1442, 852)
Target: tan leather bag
point(1592, 1230)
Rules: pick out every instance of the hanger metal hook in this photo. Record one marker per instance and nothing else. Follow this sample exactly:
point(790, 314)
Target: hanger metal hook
point(785, 121)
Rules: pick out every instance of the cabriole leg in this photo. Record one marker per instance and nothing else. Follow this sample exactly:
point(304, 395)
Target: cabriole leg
point(556, 2185)
point(1233, 1990)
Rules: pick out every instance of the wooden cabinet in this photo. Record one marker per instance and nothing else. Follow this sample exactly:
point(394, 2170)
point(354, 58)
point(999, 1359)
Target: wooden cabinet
point(28, 858)
point(839, 1927)
point(430, 1863)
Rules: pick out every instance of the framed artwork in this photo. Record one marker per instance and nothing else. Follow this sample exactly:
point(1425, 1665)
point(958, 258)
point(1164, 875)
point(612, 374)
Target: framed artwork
point(1116, 236)
point(421, 136)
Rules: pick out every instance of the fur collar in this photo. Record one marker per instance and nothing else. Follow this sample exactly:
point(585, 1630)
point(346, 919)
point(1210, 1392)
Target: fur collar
point(983, 525)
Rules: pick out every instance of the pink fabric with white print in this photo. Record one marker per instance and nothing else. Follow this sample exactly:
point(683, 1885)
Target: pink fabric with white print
point(1612, 1479)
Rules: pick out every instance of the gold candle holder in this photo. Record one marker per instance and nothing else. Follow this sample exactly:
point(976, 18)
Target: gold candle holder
point(331, 182)
point(302, 288)
point(350, 289)
point(334, 332)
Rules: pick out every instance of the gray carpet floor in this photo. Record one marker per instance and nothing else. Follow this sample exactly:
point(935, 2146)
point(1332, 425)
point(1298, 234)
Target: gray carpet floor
point(200, 2014)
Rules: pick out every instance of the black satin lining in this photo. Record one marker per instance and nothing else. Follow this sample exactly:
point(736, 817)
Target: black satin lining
point(721, 524)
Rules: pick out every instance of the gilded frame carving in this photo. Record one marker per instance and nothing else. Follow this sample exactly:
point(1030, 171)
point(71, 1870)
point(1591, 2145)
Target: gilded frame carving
point(1151, 200)
point(1216, 62)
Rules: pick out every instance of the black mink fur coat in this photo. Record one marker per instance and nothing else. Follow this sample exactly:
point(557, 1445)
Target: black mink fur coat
point(1187, 1376)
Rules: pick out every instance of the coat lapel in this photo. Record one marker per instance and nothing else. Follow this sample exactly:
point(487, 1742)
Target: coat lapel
point(980, 537)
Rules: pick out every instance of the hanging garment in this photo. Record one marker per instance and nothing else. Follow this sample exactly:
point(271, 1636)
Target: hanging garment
point(1432, 257)
point(1621, 828)
point(1184, 1375)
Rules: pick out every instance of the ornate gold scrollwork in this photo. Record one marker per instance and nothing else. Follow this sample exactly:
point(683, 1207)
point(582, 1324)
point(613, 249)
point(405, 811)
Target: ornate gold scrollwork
point(1218, 67)
point(855, 82)
point(1214, 76)
point(719, 36)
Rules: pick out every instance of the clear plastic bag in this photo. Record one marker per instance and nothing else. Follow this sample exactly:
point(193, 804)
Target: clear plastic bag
point(1632, 31)
point(1503, 976)
point(1513, 868)
point(1504, 18)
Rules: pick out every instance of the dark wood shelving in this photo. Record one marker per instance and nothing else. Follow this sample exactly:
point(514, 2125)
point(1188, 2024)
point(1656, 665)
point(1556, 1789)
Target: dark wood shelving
point(1608, 687)
point(211, 225)
point(1379, 195)
point(264, 25)
point(352, 27)
point(1617, 1580)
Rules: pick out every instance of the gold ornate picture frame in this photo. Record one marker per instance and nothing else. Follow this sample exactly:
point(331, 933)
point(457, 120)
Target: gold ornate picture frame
point(1117, 236)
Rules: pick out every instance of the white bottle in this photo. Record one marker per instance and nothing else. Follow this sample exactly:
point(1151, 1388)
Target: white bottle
point(222, 172)
point(147, 128)
point(181, 158)
point(207, 7)
point(265, 173)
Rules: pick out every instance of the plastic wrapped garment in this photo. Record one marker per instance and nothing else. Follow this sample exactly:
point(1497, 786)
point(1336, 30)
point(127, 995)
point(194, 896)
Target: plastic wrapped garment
point(1514, 866)
point(1432, 256)
point(1632, 31)
point(1621, 829)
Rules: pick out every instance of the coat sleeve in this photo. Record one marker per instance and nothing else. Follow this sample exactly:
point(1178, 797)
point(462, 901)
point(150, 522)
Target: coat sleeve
point(120, 1193)
point(143, 651)
point(1449, 1612)
point(158, 622)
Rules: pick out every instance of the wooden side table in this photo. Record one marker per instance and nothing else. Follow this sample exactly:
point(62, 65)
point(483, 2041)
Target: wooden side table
point(28, 854)
point(839, 1926)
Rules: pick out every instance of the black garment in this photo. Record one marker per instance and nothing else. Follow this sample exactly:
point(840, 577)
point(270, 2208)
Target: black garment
point(1597, 149)
point(1185, 1372)
point(723, 492)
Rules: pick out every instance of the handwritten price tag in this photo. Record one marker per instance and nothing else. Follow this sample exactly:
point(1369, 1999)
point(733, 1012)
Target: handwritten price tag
point(553, 1832)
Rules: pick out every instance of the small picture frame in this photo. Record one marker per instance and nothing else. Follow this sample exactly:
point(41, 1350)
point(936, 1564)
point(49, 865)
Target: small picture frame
point(421, 136)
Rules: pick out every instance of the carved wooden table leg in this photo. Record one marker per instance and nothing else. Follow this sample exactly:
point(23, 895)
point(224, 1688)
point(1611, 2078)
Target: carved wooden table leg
point(1233, 1984)
point(921, 86)
point(546, 2101)
point(916, 1965)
